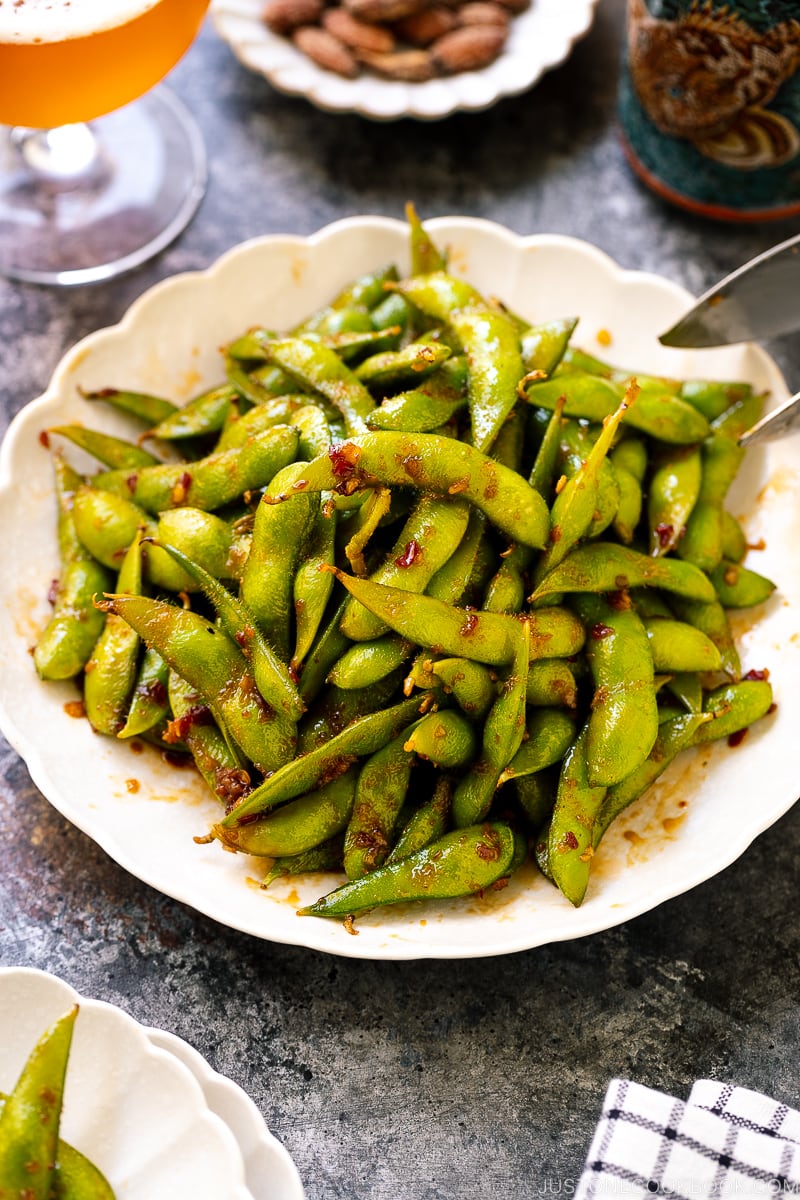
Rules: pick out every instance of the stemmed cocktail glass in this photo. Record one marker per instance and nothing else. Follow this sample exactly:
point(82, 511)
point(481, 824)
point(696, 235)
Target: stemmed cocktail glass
point(99, 169)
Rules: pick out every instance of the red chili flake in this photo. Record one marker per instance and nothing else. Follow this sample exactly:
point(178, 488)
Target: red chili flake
point(470, 623)
point(764, 674)
point(176, 731)
point(772, 708)
point(486, 852)
point(154, 690)
point(181, 489)
point(344, 458)
point(499, 884)
point(619, 601)
point(52, 591)
point(245, 635)
point(568, 842)
point(665, 534)
point(44, 439)
point(231, 784)
point(75, 708)
point(737, 738)
point(410, 555)
point(412, 464)
point(600, 631)
point(132, 481)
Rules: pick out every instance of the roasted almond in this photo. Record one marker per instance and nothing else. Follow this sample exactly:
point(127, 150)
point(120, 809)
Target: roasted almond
point(425, 27)
point(282, 16)
point(484, 12)
point(325, 50)
point(412, 66)
point(384, 10)
point(469, 48)
point(358, 35)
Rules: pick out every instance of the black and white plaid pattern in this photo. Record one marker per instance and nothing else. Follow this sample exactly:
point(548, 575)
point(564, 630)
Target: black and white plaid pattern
point(724, 1143)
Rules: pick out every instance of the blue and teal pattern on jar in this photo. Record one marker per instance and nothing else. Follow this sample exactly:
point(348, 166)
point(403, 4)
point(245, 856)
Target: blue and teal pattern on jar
point(710, 104)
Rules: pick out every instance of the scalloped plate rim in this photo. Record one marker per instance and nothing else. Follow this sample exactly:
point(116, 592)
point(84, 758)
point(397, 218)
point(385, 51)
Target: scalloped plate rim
point(587, 922)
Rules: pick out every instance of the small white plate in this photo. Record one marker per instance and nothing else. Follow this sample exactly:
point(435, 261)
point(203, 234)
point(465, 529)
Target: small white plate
point(540, 39)
point(697, 820)
point(131, 1107)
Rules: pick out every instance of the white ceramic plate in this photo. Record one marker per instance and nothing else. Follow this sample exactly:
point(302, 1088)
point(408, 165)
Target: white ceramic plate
point(703, 814)
point(131, 1107)
point(540, 39)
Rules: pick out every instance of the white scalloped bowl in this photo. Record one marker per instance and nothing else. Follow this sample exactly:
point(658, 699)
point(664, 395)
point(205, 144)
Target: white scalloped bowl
point(135, 1110)
point(540, 39)
point(697, 820)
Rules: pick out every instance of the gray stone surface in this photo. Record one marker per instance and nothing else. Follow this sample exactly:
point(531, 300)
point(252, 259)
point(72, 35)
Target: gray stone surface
point(470, 1080)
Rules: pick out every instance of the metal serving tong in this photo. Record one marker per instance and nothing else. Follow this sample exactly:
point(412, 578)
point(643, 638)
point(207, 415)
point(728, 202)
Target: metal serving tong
point(759, 300)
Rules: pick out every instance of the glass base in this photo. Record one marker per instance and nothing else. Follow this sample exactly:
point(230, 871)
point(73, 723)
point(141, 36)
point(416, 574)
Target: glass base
point(84, 203)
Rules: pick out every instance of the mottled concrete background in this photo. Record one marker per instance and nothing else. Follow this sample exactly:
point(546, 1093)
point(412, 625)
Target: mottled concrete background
point(469, 1080)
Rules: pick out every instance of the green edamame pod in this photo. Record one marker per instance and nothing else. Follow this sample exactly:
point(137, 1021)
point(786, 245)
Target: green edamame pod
point(471, 685)
point(536, 798)
point(364, 663)
point(711, 619)
point(110, 451)
point(201, 415)
point(606, 567)
point(702, 539)
point(543, 471)
point(445, 738)
point(435, 464)
point(327, 856)
point(569, 836)
point(423, 409)
point(711, 397)
point(281, 410)
point(543, 346)
point(430, 535)
point(551, 681)
point(672, 494)
point(298, 826)
point(549, 734)
point(735, 706)
point(67, 641)
point(575, 506)
point(335, 708)
point(629, 508)
point(687, 688)
point(458, 864)
point(145, 407)
point(111, 671)
point(623, 723)
point(267, 582)
point(393, 369)
point(427, 824)
point(319, 368)
point(214, 754)
point(214, 665)
point(379, 795)
point(31, 1116)
point(739, 587)
point(734, 539)
point(677, 646)
point(359, 739)
point(656, 412)
point(425, 255)
point(312, 586)
point(204, 538)
point(210, 482)
point(272, 677)
point(463, 632)
point(502, 737)
point(149, 701)
point(577, 443)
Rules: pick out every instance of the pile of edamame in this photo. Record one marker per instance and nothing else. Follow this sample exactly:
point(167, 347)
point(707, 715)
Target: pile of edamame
point(430, 591)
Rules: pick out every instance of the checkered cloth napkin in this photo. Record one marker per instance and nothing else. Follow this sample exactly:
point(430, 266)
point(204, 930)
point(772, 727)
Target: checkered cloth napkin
point(725, 1143)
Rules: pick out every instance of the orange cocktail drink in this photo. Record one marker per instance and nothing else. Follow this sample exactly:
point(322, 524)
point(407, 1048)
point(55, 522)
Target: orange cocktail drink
point(64, 61)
